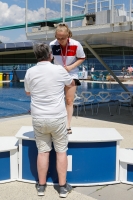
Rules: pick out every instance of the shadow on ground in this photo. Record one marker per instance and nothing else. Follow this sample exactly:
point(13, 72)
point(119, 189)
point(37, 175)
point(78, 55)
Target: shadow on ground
point(125, 116)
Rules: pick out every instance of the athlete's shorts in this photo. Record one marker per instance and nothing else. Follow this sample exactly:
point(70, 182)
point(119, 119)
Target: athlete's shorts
point(77, 82)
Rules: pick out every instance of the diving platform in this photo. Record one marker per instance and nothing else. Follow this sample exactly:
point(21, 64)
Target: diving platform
point(102, 23)
point(117, 34)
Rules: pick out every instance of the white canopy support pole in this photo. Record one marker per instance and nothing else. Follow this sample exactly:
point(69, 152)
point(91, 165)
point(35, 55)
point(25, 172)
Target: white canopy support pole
point(105, 65)
point(112, 20)
point(123, 7)
point(86, 9)
point(45, 9)
point(26, 17)
point(130, 12)
point(95, 5)
point(61, 14)
point(63, 10)
point(109, 4)
point(45, 15)
point(71, 10)
point(100, 6)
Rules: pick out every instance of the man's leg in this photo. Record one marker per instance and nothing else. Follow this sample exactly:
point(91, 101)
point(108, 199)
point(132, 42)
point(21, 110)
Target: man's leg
point(61, 167)
point(42, 167)
point(60, 140)
point(43, 142)
point(62, 163)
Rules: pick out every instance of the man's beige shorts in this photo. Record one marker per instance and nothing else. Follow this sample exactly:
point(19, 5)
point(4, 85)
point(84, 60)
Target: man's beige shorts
point(48, 131)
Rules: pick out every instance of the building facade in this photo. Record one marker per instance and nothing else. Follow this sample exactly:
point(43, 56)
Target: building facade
point(22, 57)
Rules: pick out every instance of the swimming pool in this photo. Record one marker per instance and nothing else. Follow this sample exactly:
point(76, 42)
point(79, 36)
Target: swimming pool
point(13, 100)
point(112, 88)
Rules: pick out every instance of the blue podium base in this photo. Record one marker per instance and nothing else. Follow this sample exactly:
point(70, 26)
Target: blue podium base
point(92, 163)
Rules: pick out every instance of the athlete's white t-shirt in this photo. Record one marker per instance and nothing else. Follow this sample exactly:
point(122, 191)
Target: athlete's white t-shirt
point(74, 51)
point(46, 82)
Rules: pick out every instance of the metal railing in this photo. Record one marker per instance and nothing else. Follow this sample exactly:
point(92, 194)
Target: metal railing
point(88, 7)
point(98, 5)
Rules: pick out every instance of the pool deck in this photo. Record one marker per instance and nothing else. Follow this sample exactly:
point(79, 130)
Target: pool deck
point(127, 80)
point(122, 123)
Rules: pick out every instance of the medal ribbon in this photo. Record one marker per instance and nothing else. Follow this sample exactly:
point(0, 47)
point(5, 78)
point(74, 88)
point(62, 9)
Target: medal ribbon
point(64, 57)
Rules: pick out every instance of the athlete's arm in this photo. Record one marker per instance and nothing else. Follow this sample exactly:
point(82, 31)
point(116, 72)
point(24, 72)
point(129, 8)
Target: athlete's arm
point(74, 65)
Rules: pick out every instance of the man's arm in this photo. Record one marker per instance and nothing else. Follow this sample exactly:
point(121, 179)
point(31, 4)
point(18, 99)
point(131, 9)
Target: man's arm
point(26, 85)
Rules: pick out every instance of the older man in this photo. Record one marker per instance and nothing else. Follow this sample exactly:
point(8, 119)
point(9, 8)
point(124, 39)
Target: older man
point(45, 83)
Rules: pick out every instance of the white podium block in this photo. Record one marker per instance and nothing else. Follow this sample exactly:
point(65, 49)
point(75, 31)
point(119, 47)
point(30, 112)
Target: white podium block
point(93, 157)
point(126, 166)
point(8, 159)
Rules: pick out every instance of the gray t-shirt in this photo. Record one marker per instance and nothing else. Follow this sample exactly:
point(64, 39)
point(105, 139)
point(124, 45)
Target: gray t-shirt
point(45, 82)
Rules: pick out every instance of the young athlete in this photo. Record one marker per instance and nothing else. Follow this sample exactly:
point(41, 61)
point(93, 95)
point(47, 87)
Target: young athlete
point(70, 54)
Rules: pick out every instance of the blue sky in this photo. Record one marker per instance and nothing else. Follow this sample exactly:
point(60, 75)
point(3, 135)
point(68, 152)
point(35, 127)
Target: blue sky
point(13, 12)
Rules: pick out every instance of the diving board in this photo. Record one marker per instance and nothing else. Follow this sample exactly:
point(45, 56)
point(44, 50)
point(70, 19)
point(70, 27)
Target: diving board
point(38, 23)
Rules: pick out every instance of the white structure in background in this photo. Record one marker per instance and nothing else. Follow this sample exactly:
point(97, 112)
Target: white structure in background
point(98, 13)
point(92, 69)
point(83, 74)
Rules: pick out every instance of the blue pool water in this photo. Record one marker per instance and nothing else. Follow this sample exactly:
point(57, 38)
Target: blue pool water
point(112, 88)
point(13, 100)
